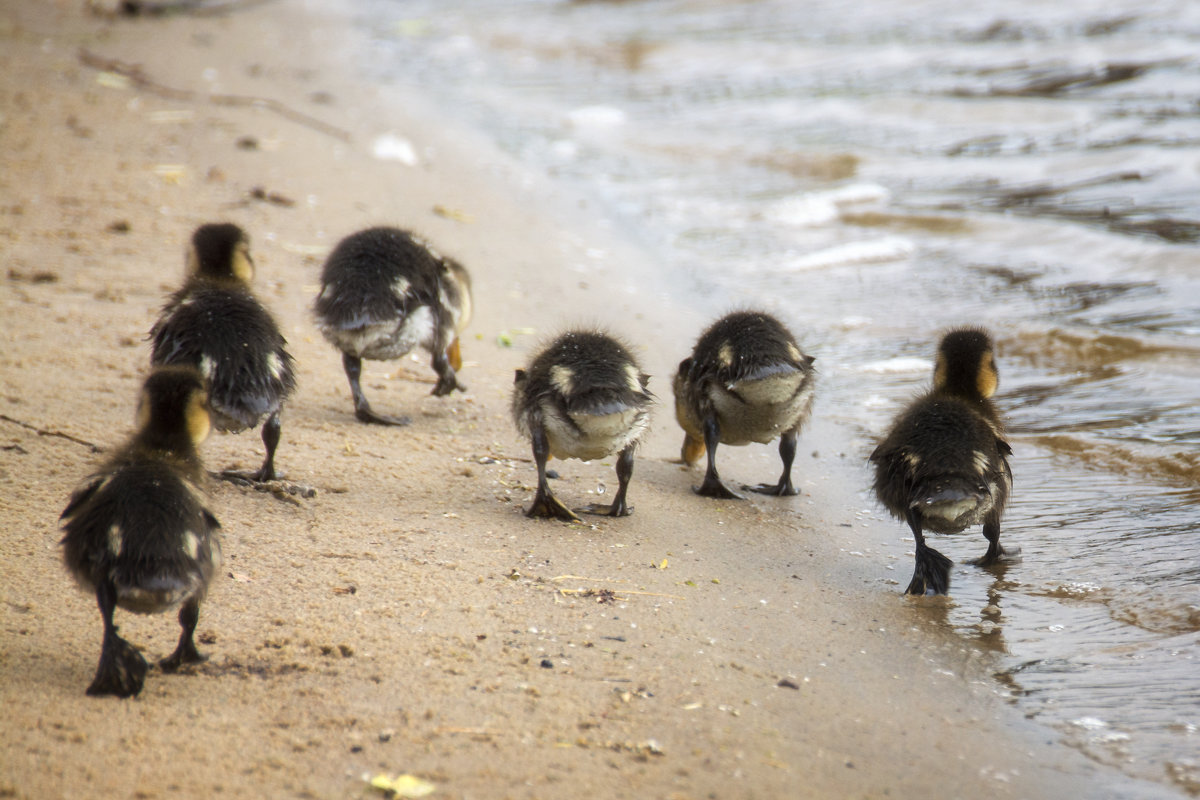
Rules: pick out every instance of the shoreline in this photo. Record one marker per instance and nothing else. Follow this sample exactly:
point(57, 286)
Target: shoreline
point(399, 621)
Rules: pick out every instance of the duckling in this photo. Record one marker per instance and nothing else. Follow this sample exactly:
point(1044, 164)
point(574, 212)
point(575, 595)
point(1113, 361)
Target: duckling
point(215, 324)
point(138, 533)
point(582, 396)
point(944, 464)
point(746, 381)
point(383, 292)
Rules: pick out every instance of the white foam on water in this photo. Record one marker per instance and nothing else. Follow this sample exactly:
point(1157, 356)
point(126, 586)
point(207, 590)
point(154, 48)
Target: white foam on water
point(890, 248)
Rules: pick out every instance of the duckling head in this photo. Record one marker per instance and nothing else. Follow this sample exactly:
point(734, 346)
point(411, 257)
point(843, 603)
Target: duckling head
point(220, 251)
point(172, 410)
point(966, 365)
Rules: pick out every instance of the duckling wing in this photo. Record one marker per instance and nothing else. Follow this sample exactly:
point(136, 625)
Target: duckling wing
point(82, 495)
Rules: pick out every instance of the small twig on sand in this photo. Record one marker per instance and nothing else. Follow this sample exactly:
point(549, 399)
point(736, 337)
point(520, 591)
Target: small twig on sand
point(135, 74)
point(470, 731)
point(43, 432)
point(601, 593)
point(593, 580)
point(194, 8)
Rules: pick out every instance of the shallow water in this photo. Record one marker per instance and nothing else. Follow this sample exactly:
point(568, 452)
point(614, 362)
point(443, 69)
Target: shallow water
point(877, 176)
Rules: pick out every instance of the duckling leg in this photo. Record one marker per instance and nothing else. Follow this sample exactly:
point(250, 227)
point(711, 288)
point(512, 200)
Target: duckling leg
point(624, 473)
point(932, 572)
point(271, 431)
point(447, 379)
point(122, 669)
point(185, 651)
point(712, 486)
point(995, 552)
point(545, 504)
point(787, 452)
point(362, 409)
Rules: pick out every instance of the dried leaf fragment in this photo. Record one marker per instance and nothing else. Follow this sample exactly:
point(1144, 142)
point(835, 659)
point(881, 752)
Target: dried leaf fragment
point(402, 785)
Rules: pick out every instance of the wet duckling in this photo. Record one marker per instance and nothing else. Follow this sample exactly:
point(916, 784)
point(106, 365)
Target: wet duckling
point(384, 292)
point(746, 381)
point(215, 324)
point(582, 396)
point(943, 466)
point(138, 533)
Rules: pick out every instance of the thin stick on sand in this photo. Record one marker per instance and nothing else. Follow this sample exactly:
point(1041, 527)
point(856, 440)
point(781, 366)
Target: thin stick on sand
point(135, 74)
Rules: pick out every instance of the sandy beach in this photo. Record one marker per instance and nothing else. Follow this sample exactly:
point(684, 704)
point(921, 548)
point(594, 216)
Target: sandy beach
point(406, 618)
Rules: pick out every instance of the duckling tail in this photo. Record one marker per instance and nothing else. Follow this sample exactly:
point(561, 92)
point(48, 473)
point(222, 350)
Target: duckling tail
point(950, 501)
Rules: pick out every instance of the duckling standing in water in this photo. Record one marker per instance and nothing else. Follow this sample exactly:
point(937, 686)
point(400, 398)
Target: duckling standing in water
point(138, 533)
point(582, 396)
point(746, 381)
point(384, 292)
point(944, 465)
point(215, 324)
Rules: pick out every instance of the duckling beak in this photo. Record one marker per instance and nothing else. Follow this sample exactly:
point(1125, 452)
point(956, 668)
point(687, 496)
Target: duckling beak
point(454, 354)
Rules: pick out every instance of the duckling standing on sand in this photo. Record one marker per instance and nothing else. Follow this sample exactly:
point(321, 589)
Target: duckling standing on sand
point(215, 324)
point(384, 292)
point(582, 396)
point(138, 533)
point(944, 465)
point(746, 381)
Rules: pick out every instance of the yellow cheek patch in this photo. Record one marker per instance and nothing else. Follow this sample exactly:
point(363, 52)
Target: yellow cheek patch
point(242, 267)
point(988, 381)
point(197, 418)
point(454, 355)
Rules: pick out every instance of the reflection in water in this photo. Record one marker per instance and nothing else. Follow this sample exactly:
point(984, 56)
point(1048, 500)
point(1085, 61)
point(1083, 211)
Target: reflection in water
point(877, 177)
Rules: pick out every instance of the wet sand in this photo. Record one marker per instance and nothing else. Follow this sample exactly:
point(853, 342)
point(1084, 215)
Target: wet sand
point(408, 618)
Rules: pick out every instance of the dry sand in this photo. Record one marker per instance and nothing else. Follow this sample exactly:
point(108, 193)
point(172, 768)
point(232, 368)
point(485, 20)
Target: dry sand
point(408, 618)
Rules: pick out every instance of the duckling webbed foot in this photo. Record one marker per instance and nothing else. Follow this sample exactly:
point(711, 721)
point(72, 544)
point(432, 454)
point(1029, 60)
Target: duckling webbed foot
point(712, 487)
point(931, 574)
point(447, 378)
point(185, 652)
point(996, 552)
point(618, 507)
point(122, 669)
point(362, 409)
point(1002, 555)
point(246, 477)
point(787, 453)
point(547, 506)
point(782, 489)
point(447, 384)
point(612, 510)
point(364, 414)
